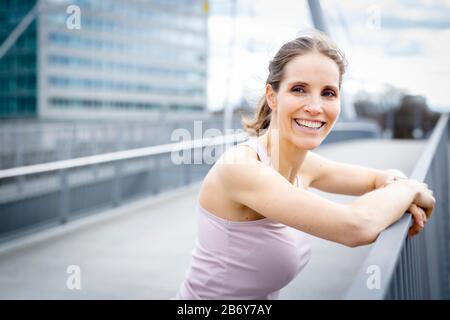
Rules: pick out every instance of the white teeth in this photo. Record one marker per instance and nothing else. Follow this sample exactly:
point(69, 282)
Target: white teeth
point(310, 124)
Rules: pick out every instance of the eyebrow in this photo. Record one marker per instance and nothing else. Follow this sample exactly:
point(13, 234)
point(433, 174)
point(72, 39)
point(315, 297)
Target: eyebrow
point(328, 86)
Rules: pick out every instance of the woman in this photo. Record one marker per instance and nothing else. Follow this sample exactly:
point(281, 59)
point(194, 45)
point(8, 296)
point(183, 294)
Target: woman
point(253, 207)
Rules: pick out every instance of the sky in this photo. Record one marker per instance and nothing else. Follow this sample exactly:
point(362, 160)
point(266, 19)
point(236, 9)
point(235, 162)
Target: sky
point(403, 43)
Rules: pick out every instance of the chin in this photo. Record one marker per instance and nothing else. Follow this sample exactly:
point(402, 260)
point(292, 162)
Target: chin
point(307, 145)
point(307, 141)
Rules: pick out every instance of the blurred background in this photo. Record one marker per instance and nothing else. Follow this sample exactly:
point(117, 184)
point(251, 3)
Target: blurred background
point(116, 75)
point(95, 77)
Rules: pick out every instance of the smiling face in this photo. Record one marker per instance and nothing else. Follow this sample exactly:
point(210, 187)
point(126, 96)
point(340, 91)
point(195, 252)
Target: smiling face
point(307, 103)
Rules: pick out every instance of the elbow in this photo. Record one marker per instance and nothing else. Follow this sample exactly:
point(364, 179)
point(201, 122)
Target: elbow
point(363, 230)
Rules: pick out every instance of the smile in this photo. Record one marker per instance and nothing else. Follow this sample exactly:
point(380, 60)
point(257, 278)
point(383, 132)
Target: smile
point(309, 126)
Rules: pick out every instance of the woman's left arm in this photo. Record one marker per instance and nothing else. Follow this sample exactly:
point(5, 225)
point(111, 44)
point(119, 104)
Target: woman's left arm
point(343, 178)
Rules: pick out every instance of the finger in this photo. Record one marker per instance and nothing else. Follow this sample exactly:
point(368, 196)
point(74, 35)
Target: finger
point(417, 214)
point(414, 230)
point(424, 215)
point(418, 223)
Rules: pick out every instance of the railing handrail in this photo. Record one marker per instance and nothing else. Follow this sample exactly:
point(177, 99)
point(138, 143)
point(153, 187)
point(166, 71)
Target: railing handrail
point(121, 155)
point(390, 242)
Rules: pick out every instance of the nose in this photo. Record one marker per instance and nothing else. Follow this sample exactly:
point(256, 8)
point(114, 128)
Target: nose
point(314, 106)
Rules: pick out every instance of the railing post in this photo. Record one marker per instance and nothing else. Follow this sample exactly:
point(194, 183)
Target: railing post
point(156, 174)
point(64, 197)
point(117, 186)
point(94, 141)
point(19, 158)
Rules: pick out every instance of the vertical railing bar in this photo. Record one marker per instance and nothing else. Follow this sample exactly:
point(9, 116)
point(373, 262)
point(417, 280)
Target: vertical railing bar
point(412, 279)
point(425, 283)
point(395, 284)
point(409, 280)
point(391, 288)
point(414, 255)
point(402, 274)
point(418, 273)
point(411, 270)
point(441, 175)
point(420, 270)
point(64, 196)
point(437, 182)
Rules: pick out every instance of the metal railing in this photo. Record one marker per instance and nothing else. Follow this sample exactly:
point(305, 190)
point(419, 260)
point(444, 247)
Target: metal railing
point(398, 267)
point(121, 155)
point(33, 142)
point(82, 184)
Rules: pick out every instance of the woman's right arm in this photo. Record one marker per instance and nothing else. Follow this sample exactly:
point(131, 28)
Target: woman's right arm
point(261, 188)
point(392, 201)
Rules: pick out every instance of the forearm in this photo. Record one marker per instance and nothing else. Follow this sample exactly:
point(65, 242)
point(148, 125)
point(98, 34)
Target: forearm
point(382, 207)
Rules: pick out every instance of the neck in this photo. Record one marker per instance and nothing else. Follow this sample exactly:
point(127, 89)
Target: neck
point(286, 157)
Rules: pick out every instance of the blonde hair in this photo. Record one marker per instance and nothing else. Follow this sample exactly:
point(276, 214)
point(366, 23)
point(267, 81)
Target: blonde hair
point(310, 41)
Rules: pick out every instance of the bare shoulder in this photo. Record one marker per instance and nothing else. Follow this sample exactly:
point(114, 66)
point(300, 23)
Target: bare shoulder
point(235, 166)
point(229, 172)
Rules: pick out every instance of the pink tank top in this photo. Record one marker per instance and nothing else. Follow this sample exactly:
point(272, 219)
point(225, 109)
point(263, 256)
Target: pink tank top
point(249, 260)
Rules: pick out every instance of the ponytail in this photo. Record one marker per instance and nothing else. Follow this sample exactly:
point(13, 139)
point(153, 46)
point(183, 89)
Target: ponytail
point(261, 119)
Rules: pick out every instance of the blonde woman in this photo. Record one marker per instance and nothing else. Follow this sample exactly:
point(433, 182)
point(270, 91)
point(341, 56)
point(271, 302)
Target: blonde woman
point(253, 206)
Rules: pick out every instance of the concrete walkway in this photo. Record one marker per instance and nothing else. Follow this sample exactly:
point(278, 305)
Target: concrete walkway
point(142, 250)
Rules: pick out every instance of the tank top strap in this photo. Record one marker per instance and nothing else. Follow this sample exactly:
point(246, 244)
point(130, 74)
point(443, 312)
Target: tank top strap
point(254, 143)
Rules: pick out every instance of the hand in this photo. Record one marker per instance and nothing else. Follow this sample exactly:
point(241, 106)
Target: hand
point(423, 200)
point(422, 206)
point(424, 197)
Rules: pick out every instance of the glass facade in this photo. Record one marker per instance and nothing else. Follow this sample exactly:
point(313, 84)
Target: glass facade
point(18, 65)
point(136, 55)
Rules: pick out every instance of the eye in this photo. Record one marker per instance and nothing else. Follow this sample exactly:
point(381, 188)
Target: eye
point(298, 89)
point(329, 93)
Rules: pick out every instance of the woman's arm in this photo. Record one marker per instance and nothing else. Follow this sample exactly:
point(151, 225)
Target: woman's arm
point(386, 205)
point(355, 180)
point(253, 184)
point(343, 178)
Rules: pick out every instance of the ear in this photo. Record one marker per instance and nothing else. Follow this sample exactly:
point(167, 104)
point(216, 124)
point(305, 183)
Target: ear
point(271, 97)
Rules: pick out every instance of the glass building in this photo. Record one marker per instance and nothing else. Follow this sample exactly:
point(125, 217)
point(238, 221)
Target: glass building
point(104, 58)
point(18, 66)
